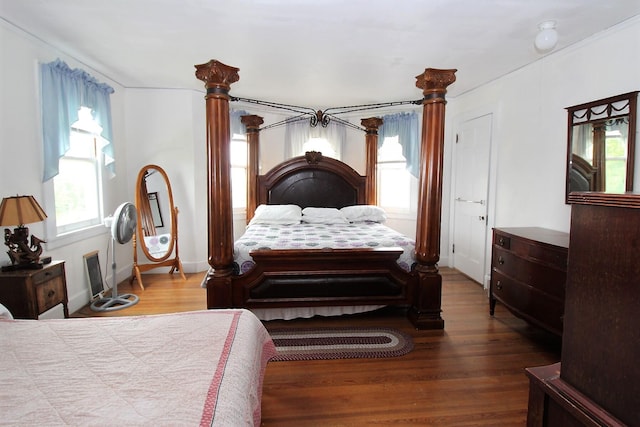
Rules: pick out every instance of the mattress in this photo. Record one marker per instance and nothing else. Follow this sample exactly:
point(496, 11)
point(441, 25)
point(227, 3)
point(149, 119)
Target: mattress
point(195, 368)
point(318, 236)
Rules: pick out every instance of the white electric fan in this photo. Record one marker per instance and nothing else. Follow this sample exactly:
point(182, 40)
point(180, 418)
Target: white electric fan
point(123, 226)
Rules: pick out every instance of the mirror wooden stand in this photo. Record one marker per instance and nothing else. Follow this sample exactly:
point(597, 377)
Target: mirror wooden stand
point(157, 229)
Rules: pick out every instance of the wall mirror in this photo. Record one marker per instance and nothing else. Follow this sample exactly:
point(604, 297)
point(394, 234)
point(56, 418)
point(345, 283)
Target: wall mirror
point(157, 229)
point(601, 146)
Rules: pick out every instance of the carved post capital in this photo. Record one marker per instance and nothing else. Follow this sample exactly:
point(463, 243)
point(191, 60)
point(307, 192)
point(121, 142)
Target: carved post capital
point(215, 74)
point(252, 122)
point(371, 124)
point(434, 82)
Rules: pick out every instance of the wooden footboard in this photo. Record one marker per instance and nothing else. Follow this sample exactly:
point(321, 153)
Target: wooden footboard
point(329, 277)
point(324, 277)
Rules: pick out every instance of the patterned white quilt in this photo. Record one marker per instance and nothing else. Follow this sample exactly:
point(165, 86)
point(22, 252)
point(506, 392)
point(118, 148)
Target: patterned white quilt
point(196, 368)
point(318, 236)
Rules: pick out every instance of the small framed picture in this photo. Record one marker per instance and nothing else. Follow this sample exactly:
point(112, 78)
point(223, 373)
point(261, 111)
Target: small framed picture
point(154, 203)
point(94, 275)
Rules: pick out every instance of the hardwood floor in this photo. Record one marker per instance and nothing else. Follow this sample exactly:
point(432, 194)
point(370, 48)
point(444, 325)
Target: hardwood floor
point(469, 374)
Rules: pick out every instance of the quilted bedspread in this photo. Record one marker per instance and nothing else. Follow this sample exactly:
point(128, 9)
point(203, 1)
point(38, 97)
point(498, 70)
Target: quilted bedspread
point(196, 368)
point(318, 236)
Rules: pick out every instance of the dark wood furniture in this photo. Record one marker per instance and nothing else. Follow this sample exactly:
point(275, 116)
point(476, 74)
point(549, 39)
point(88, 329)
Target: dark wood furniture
point(528, 274)
point(598, 379)
point(421, 290)
point(29, 293)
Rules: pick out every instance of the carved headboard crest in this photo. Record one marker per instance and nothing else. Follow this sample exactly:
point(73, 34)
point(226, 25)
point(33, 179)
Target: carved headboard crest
point(313, 157)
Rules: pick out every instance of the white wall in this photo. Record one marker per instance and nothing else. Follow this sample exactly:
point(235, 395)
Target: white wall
point(162, 129)
point(530, 122)
point(21, 154)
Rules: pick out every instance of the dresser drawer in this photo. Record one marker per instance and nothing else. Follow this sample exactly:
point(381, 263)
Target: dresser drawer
point(544, 254)
point(502, 240)
point(528, 303)
point(544, 277)
point(47, 274)
point(51, 293)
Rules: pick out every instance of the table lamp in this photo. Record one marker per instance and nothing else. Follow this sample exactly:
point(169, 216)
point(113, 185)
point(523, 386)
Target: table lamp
point(21, 210)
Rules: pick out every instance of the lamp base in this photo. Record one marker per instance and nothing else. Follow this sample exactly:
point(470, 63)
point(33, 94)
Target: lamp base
point(24, 253)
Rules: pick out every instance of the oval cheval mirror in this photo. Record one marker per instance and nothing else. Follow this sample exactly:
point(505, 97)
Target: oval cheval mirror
point(157, 229)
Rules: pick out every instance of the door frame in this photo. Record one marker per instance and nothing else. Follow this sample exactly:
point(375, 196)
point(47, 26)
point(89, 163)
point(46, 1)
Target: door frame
point(458, 120)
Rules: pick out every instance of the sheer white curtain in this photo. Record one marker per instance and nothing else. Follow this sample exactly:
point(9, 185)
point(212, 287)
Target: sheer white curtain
point(299, 133)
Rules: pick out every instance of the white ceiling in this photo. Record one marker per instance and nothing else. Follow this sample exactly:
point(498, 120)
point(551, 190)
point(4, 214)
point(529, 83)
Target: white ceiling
point(316, 53)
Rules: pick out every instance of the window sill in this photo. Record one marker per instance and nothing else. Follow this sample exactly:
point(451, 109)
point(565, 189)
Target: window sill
point(75, 236)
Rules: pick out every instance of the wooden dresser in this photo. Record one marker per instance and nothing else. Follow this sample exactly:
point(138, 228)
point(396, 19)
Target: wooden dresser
point(528, 274)
point(29, 293)
point(597, 381)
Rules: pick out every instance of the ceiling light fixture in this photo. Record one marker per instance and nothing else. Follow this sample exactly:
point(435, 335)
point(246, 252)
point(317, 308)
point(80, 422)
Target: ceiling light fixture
point(547, 37)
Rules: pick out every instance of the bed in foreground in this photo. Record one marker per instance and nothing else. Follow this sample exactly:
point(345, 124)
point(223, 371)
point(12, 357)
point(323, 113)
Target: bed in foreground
point(195, 368)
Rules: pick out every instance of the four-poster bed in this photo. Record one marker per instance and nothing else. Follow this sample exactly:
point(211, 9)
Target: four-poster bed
point(323, 277)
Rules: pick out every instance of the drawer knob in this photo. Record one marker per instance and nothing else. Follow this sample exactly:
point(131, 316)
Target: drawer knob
point(51, 293)
point(501, 241)
point(500, 260)
point(499, 285)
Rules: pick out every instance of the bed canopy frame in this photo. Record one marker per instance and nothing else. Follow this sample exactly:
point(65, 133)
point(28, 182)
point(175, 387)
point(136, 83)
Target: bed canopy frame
point(423, 289)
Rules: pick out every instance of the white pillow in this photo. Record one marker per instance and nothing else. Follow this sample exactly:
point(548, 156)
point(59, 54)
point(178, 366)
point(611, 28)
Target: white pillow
point(5, 313)
point(364, 213)
point(323, 216)
point(277, 215)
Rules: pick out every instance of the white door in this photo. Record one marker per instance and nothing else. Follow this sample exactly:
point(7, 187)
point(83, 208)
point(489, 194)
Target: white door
point(472, 153)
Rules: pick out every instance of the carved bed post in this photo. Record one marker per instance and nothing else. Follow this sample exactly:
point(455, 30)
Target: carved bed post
point(426, 309)
point(371, 145)
point(252, 123)
point(218, 78)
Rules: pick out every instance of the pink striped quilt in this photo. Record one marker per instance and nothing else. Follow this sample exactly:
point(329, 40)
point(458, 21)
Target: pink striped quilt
point(195, 368)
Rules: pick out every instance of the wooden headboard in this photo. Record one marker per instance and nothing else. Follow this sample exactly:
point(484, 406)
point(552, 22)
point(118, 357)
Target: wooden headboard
point(312, 180)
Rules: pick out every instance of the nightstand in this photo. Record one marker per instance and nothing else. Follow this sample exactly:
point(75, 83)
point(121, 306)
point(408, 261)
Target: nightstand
point(29, 293)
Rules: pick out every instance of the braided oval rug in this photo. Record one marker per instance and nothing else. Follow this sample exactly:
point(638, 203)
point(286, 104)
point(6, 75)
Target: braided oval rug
point(339, 343)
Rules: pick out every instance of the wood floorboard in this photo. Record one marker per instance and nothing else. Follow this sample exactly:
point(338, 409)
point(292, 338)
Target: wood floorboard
point(469, 374)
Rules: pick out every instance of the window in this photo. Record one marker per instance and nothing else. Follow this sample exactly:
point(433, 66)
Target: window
point(398, 158)
point(78, 152)
point(394, 180)
point(75, 195)
point(78, 201)
point(239, 152)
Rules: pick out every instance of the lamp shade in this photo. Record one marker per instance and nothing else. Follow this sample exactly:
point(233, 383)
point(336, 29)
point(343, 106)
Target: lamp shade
point(20, 210)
